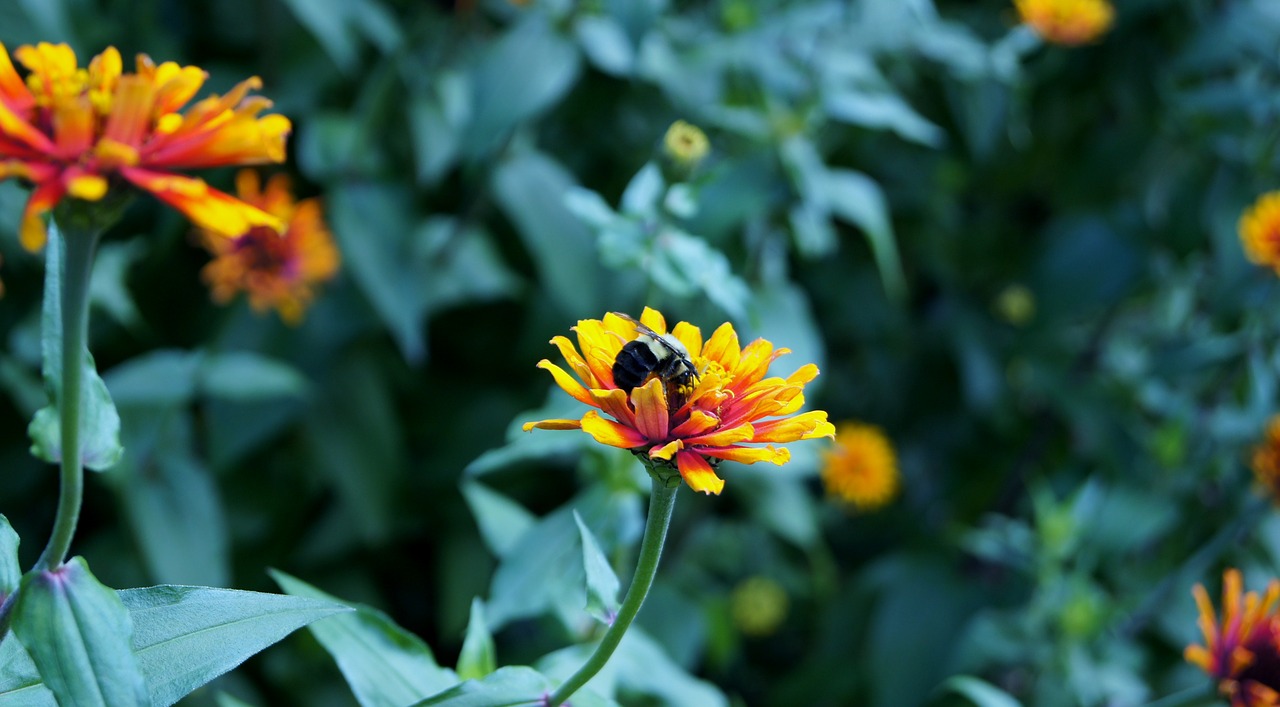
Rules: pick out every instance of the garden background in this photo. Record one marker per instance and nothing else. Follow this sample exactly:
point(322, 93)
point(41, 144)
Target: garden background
point(1020, 260)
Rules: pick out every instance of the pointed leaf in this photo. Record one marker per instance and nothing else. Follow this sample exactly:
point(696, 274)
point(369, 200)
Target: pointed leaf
point(77, 633)
point(10, 570)
point(20, 684)
point(478, 657)
point(979, 692)
point(857, 198)
point(186, 636)
point(247, 376)
point(99, 423)
point(602, 583)
point(513, 686)
point(385, 665)
point(501, 520)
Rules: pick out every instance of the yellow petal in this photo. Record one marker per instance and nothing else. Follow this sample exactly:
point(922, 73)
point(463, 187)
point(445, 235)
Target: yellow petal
point(698, 473)
point(810, 425)
point(690, 336)
point(666, 450)
point(567, 382)
point(724, 437)
point(699, 421)
point(575, 361)
point(614, 403)
point(90, 187)
point(204, 206)
point(722, 347)
point(554, 424)
point(610, 432)
point(653, 319)
point(751, 455)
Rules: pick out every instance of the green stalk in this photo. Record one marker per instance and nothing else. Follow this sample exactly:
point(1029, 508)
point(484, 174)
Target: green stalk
point(1199, 696)
point(662, 499)
point(78, 243)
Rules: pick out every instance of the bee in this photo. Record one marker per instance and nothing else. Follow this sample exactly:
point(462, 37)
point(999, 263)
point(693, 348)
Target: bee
point(654, 354)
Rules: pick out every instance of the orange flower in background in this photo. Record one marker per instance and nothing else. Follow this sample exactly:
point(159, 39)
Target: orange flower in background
point(1067, 22)
point(1260, 230)
point(73, 131)
point(861, 469)
point(1242, 652)
point(722, 408)
point(276, 270)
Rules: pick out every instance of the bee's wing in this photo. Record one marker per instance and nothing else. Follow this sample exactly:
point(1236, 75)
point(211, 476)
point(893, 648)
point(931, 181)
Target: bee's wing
point(640, 327)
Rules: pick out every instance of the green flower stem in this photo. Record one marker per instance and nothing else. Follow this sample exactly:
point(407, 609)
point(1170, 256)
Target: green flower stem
point(1199, 696)
point(662, 499)
point(78, 245)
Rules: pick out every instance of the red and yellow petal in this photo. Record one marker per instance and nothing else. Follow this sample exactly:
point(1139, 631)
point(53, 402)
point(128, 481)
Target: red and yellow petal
point(13, 90)
point(699, 422)
point(809, 425)
point(650, 403)
point(723, 348)
point(567, 382)
point(697, 472)
point(750, 455)
point(724, 436)
point(204, 206)
point(46, 195)
point(614, 403)
point(611, 433)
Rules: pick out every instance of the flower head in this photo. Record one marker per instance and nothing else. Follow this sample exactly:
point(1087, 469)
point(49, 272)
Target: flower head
point(861, 468)
point(1266, 459)
point(685, 143)
point(1260, 230)
point(76, 132)
point(277, 270)
point(1067, 22)
point(727, 405)
point(1242, 652)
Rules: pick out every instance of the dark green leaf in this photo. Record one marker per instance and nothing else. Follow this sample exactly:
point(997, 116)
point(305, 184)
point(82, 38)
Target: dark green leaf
point(10, 570)
point(245, 376)
point(979, 692)
point(385, 665)
point(478, 657)
point(186, 636)
point(602, 582)
point(513, 686)
point(856, 198)
point(164, 377)
point(501, 520)
point(77, 633)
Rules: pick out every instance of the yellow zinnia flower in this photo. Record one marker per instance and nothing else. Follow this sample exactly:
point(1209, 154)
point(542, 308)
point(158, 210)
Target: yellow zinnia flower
point(723, 409)
point(1260, 230)
point(78, 131)
point(277, 270)
point(1067, 22)
point(861, 468)
point(1242, 652)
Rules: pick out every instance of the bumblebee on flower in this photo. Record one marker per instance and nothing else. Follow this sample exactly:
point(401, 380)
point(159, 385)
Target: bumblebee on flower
point(700, 402)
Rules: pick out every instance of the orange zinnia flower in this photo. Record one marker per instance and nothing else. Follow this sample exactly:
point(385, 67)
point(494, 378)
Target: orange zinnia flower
point(1260, 230)
point(277, 270)
point(1266, 459)
point(72, 131)
point(1243, 651)
point(723, 408)
point(1067, 22)
point(861, 468)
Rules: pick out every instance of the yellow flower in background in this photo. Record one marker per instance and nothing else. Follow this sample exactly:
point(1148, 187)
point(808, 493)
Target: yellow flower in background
point(759, 606)
point(1067, 22)
point(276, 270)
point(77, 132)
point(861, 468)
point(1260, 230)
point(1266, 459)
point(1242, 651)
point(685, 143)
point(728, 404)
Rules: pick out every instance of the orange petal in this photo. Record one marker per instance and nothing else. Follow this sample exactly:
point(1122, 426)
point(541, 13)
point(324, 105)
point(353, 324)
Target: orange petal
point(13, 90)
point(575, 361)
point(810, 425)
point(131, 113)
point(566, 381)
point(751, 455)
point(44, 197)
point(1197, 655)
point(722, 347)
point(23, 133)
point(650, 402)
point(698, 473)
point(614, 402)
point(667, 450)
point(699, 421)
point(724, 436)
point(554, 424)
point(610, 432)
point(204, 206)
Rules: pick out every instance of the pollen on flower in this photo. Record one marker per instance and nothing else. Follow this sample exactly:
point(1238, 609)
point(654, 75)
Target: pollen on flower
point(79, 132)
point(734, 410)
point(861, 467)
point(1067, 22)
point(1242, 650)
point(276, 270)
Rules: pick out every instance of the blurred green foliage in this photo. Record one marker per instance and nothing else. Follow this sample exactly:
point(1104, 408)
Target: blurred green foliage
point(1020, 260)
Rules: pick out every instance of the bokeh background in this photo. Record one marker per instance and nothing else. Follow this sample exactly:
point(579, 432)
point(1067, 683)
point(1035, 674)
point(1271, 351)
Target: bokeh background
point(1019, 260)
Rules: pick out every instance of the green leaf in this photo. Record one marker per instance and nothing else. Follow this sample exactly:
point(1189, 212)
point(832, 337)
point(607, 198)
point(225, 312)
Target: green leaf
point(10, 570)
point(109, 288)
point(530, 189)
point(334, 24)
point(77, 633)
point(385, 665)
point(478, 657)
point(857, 198)
point(99, 422)
point(246, 376)
point(606, 44)
point(164, 377)
point(535, 445)
point(435, 121)
point(225, 700)
point(881, 110)
point(520, 75)
point(513, 686)
point(186, 636)
point(683, 264)
point(20, 684)
point(643, 667)
point(501, 520)
point(979, 692)
point(602, 583)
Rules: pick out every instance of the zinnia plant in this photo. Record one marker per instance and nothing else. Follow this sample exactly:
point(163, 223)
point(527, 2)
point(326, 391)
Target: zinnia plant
point(1241, 648)
point(1067, 22)
point(727, 410)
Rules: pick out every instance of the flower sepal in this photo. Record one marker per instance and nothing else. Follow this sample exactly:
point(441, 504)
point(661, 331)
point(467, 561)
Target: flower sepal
point(662, 471)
